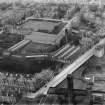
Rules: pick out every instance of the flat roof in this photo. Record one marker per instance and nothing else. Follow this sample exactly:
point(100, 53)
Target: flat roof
point(42, 38)
point(43, 31)
point(36, 48)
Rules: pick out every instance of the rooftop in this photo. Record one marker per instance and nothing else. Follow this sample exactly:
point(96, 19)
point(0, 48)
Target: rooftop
point(42, 31)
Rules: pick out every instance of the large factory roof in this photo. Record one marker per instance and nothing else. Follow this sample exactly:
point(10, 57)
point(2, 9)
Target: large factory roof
point(42, 38)
point(43, 31)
